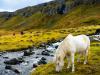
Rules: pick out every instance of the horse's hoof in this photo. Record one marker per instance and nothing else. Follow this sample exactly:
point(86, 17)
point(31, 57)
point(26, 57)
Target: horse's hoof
point(78, 61)
point(73, 71)
point(68, 67)
point(85, 62)
point(57, 71)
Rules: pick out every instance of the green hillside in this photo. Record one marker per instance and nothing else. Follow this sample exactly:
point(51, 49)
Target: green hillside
point(81, 15)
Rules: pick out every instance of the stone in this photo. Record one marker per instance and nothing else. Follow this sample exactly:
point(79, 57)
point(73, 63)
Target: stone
point(16, 71)
point(43, 58)
point(42, 61)
point(34, 65)
point(36, 57)
point(28, 53)
point(14, 61)
point(8, 67)
point(13, 69)
point(46, 53)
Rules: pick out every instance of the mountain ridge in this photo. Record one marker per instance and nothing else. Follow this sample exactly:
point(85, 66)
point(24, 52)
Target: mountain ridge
point(45, 15)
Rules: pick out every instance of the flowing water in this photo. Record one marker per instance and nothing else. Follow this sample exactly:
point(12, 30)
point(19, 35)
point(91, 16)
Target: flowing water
point(25, 67)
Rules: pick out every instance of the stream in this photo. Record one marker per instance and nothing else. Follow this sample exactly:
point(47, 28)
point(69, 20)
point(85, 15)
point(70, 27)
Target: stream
point(23, 62)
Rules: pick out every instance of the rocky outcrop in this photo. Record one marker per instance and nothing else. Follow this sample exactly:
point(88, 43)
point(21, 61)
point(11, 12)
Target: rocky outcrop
point(50, 8)
point(6, 15)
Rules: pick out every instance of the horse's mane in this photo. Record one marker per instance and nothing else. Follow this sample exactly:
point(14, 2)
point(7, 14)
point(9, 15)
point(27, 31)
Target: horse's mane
point(59, 50)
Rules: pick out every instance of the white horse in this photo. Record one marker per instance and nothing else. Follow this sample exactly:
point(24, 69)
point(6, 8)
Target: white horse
point(68, 47)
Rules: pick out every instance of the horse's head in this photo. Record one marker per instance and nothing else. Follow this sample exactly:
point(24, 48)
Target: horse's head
point(59, 62)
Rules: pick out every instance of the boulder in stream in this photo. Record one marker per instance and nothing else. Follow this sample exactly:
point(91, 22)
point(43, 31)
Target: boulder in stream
point(12, 69)
point(45, 53)
point(43, 58)
point(27, 53)
point(13, 61)
point(35, 65)
point(42, 61)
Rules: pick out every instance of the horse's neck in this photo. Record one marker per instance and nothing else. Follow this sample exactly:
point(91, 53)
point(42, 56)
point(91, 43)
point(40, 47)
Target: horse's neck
point(70, 35)
point(61, 52)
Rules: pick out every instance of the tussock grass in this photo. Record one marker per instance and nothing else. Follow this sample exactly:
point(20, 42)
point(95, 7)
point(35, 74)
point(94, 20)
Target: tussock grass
point(17, 42)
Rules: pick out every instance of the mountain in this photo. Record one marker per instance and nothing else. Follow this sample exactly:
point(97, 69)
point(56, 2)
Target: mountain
point(55, 14)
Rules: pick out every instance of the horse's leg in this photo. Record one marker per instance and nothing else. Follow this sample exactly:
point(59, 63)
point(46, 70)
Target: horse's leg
point(86, 57)
point(69, 63)
point(80, 54)
point(72, 58)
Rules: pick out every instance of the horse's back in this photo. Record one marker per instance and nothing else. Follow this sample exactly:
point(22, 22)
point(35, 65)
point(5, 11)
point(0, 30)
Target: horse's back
point(82, 38)
point(81, 42)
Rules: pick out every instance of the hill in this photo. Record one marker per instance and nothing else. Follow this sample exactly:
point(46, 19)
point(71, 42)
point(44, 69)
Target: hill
point(52, 15)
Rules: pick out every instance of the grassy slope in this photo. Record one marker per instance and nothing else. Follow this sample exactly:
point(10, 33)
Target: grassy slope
point(36, 21)
point(10, 42)
point(92, 68)
point(83, 15)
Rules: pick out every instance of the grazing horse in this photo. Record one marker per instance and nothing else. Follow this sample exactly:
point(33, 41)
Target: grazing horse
point(68, 48)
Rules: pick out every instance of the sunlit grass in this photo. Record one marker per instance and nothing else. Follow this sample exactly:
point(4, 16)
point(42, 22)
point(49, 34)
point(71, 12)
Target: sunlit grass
point(18, 41)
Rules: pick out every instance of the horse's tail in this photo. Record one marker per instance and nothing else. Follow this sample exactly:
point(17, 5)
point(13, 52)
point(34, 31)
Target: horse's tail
point(88, 43)
point(87, 40)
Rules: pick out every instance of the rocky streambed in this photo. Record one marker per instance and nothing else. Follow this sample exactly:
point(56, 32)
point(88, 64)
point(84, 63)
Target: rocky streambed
point(22, 62)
